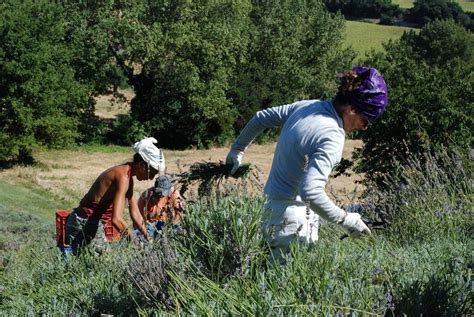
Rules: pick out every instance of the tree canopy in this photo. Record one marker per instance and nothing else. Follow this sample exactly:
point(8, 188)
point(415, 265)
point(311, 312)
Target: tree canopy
point(426, 11)
point(200, 71)
point(41, 99)
point(431, 99)
point(215, 65)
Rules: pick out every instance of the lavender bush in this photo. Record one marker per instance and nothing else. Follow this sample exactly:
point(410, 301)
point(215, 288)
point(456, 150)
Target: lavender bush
point(217, 265)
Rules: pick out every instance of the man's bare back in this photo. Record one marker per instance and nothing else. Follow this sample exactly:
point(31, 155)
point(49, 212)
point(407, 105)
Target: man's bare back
point(105, 186)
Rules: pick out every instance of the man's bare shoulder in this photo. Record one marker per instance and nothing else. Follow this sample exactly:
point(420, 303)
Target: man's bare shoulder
point(118, 172)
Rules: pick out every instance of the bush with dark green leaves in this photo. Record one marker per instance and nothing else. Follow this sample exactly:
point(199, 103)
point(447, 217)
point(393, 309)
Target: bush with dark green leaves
point(199, 71)
point(125, 130)
point(54, 58)
point(442, 43)
point(41, 101)
point(181, 93)
point(107, 37)
point(364, 8)
point(431, 98)
point(203, 83)
point(426, 11)
point(295, 52)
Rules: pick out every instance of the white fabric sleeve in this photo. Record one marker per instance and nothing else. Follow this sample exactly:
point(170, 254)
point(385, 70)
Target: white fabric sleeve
point(267, 118)
point(316, 175)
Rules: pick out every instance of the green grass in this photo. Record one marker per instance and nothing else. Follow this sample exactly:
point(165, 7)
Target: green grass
point(467, 6)
point(364, 37)
point(219, 268)
point(27, 200)
point(420, 265)
point(403, 3)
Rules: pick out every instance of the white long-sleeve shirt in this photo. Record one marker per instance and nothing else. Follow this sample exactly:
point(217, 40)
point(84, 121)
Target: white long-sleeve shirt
point(310, 145)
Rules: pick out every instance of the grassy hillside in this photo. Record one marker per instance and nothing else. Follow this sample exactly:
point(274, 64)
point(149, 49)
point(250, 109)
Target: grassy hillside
point(465, 4)
point(366, 36)
point(420, 265)
point(27, 200)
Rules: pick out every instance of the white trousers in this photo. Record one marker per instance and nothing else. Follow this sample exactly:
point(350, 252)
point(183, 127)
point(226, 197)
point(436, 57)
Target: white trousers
point(287, 221)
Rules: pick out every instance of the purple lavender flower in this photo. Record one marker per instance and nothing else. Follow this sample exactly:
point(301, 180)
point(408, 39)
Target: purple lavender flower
point(376, 270)
point(389, 300)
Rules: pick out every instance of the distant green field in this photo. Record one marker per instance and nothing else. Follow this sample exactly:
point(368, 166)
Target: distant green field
point(366, 36)
point(403, 3)
point(465, 4)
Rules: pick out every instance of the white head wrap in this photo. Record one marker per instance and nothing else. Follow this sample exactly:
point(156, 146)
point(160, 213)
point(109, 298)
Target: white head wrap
point(151, 154)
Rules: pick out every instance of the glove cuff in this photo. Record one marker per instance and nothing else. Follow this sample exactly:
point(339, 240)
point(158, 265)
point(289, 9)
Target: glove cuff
point(340, 222)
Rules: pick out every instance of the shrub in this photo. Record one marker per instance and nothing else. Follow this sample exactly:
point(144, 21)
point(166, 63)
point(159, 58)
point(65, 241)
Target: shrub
point(296, 49)
point(126, 130)
point(41, 101)
point(426, 11)
point(200, 85)
point(151, 272)
point(181, 93)
point(387, 20)
point(223, 236)
point(429, 197)
point(441, 43)
point(430, 103)
point(92, 31)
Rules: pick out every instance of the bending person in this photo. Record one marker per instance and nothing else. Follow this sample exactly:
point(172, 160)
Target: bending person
point(310, 145)
point(105, 200)
point(161, 205)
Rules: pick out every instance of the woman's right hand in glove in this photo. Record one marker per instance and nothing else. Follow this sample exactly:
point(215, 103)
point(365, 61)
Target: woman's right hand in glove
point(354, 225)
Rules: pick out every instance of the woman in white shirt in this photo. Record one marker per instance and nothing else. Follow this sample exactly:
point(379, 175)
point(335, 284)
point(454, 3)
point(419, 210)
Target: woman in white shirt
point(310, 145)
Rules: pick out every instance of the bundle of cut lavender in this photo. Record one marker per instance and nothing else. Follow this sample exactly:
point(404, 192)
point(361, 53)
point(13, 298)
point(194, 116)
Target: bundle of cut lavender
point(209, 175)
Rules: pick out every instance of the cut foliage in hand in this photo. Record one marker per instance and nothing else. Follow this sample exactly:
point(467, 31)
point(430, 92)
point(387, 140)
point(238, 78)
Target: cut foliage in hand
point(208, 175)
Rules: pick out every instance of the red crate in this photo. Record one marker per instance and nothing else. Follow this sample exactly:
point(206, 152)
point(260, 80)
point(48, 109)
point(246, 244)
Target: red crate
point(111, 233)
point(61, 217)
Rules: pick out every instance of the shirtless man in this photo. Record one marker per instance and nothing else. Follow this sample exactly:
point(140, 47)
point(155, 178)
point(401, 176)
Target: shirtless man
point(105, 200)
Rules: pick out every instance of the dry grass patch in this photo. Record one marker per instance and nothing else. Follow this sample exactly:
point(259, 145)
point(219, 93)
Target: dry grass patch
point(112, 105)
point(69, 174)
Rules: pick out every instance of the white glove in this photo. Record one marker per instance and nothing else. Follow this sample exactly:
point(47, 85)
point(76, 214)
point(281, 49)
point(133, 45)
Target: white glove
point(234, 158)
point(354, 226)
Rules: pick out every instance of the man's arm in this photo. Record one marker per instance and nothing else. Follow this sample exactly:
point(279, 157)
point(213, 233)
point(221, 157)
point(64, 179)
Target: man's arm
point(137, 218)
point(119, 204)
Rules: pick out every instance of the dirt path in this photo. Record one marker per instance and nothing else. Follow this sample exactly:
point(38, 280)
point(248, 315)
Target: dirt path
point(69, 174)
